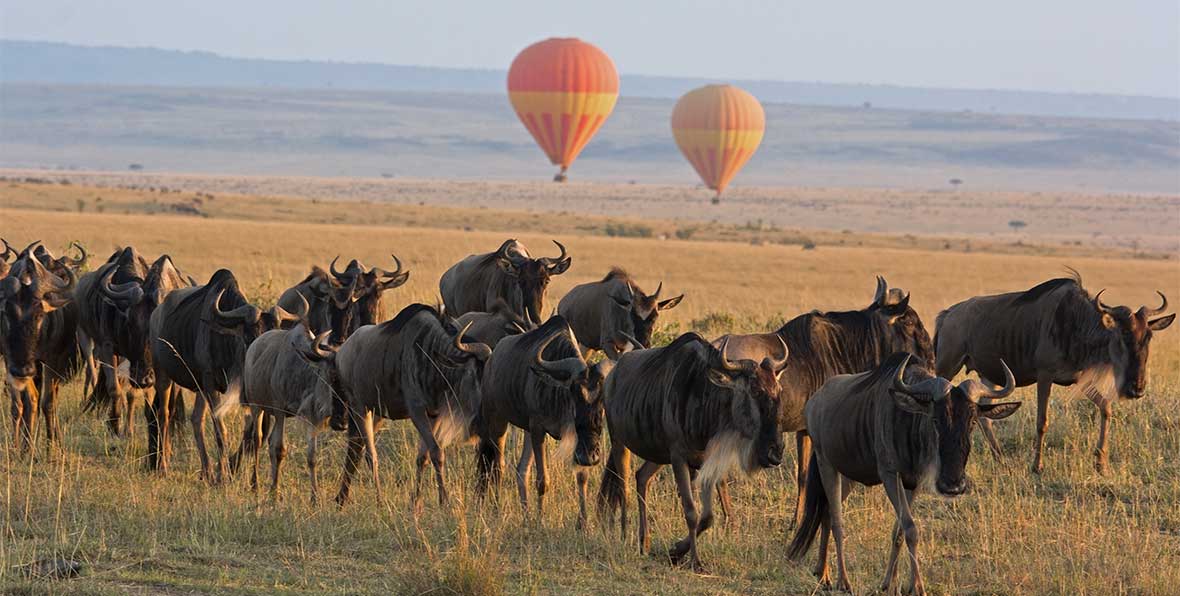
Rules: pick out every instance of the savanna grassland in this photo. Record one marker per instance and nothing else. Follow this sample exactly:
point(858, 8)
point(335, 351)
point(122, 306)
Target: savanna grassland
point(1069, 531)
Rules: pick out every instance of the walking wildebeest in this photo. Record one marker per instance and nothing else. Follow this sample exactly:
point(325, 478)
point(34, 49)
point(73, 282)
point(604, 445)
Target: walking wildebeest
point(1053, 333)
point(115, 304)
point(289, 373)
point(687, 404)
point(825, 344)
point(539, 382)
point(510, 274)
point(38, 324)
point(415, 366)
point(490, 327)
point(199, 336)
point(896, 426)
point(367, 287)
point(606, 315)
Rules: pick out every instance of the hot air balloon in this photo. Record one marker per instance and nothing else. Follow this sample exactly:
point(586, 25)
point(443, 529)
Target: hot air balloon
point(718, 128)
point(562, 89)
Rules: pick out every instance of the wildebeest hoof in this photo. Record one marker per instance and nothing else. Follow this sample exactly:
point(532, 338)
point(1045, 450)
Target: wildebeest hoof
point(53, 569)
point(677, 552)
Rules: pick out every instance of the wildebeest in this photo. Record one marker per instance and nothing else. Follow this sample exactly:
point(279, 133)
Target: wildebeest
point(38, 325)
point(490, 327)
point(509, 274)
point(416, 366)
point(289, 373)
point(539, 382)
point(317, 289)
point(689, 405)
point(115, 304)
point(825, 344)
point(364, 289)
point(199, 337)
point(1053, 333)
point(607, 314)
point(896, 426)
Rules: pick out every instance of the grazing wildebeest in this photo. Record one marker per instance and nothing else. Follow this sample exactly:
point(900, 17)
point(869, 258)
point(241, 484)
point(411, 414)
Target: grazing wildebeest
point(199, 337)
point(687, 404)
point(1053, 333)
point(115, 304)
point(606, 315)
point(897, 426)
point(38, 325)
point(416, 366)
point(317, 289)
point(289, 373)
point(490, 327)
point(825, 344)
point(539, 382)
point(366, 289)
point(509, 274)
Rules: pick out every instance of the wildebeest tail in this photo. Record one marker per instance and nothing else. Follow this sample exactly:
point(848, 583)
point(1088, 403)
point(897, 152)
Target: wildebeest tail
point(815, 510)
point(251, 438)
point(487, 464)
point(613, 489)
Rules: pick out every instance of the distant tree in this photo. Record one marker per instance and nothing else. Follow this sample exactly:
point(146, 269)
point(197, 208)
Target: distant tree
point(1017, 225)
point(81, 205)
point(135, 167)
point(955, 182)
point(868, 105)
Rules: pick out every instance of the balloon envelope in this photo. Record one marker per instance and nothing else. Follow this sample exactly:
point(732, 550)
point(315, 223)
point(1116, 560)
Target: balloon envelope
point(718, 128)
point(562, 89)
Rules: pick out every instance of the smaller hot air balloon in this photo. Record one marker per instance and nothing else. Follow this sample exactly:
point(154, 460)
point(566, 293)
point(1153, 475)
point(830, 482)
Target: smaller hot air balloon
point(718, 128)
point(562, 89)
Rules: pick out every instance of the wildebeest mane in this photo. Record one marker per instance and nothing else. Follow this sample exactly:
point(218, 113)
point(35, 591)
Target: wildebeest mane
point(316, 273)
point(555, 351)
point(678, 364)
point(823, 345)
point(883, 373)
point(407, 314)
point(1034, 293)
point(617, 273)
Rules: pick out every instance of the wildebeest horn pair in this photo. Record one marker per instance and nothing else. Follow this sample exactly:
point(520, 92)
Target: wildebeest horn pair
point(124, 295)
point(566, 368)
point(775, 364)
point(477, 349)
point(1147, 312)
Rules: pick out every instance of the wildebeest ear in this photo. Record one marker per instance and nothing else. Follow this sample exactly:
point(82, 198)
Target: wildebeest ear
point(1161, 323)
point(907, 403)
point(1108, 321)
point(670, 303)
point(507, 267)
point(720, 379)
point(999, 411)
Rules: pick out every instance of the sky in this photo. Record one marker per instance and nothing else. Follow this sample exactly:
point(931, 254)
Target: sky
point(1089, 46)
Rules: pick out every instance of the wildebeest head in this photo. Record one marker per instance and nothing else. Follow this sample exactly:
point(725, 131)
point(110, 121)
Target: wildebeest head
point(367, 287)
point(27, 295)
point(954, 410)
point(1130, 341)
point(904, 329)
point(328, 399)
point(755, 400)
point(469, 356)
point(635, 311)
point(531, 275)
point(565, 369)
point(8, 253)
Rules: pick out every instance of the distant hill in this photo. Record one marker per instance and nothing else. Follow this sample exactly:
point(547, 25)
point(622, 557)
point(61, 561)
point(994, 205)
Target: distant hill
point(50, 62)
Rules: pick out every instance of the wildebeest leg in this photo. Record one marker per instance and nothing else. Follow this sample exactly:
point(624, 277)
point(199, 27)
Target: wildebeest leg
point(821, 562)
point(1043, 387)
point(642, 476)
point(419, 469)
point(255, 420)
point(370, 433)
point(222, 439)
point(691, 519)
point(425, 428)
point(356, 444)
point(522, 471)
point(49, 386)
point(833, 486)
point(538, 440)
point(1104, 412)
point(895, 540)
point(802, 460)
point(313, 435)
point(278, 450)
point(581, 476)
point(156, 412)
point(22, 400)
point(131, 401)
point(723, 498)
point(197, 419)
point(900, 498)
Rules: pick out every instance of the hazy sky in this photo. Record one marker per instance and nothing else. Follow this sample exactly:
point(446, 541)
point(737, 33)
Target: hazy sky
point(1110, 46)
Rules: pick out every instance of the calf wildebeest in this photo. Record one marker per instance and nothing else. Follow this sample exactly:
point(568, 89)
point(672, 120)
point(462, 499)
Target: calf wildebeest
point(896, 426)
point(825, 344)
point(490, 327)
point(509, 274)
point(38, 325)
point(289, 373)
point(115, 305)
point(606, 315)
point(416, 366)
point(539, 382)
point(317, 289)
point(1053, 333)
point(366, 289)
point(687, 404)
point(199, 337)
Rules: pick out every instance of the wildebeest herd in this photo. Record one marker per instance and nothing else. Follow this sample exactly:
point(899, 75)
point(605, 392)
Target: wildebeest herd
point(866, 392)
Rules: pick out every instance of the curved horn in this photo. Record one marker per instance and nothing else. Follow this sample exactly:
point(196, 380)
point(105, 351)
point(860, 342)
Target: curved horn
point(128, 293)
point(899, 383)
point(81, 259)
point(235, 317)
point(635, 344)
point(725, 361)
point(8, 249)
point(383, 273)
point(656, 295)
point(31, 247)
point(550, 261)
point(568, 367)
point(985, 395)
point(1102, 308)
point(882, 288)
point(779, 363)
point(477, 349)
point(332, 267)
point(321, 348)
point(281, 314)
point(932, 389)
point(1157, 311)
point(57, 284)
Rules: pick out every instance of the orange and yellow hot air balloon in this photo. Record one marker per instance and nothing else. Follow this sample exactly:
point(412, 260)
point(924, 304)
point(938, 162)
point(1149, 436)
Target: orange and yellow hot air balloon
point(562, 89)
point(718, 128)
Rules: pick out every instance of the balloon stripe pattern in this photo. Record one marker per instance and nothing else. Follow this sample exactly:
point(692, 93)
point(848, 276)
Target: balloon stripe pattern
point(563, 90)
point(718, 128)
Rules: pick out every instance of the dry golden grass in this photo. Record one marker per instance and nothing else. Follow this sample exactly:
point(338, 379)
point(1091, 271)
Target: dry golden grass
point(1071, 531)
